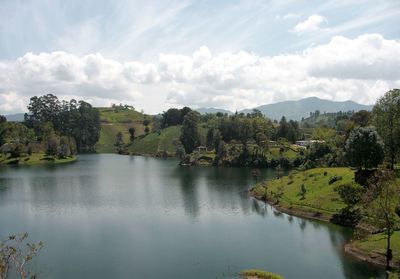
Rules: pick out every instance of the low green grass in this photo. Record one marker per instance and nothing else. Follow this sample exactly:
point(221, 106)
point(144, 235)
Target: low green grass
point(154, 142)
point(259, 274)
point(376, 243)
point(320, 195)
point(113, 122)
point(34, 159)
point(123, 116)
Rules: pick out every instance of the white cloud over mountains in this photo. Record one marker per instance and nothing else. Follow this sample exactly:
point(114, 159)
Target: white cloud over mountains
point(360, 69)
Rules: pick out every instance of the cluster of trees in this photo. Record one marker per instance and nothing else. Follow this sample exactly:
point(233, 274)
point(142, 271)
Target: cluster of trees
point(59, 128)
point(51, 118)
point(173, 117)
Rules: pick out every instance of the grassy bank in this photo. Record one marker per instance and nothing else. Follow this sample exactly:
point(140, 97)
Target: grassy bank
point(373, 249)
point(34, 159)
point(320, 200)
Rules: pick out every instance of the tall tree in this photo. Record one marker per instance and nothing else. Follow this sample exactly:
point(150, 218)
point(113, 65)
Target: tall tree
point(131, 134)
point(380, 201)
point(386, 119)
point(190, 134)
point(364, 148)
point(283, 128)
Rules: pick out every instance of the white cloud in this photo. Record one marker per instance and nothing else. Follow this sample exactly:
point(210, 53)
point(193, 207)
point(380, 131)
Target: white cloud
point(312, 23)
point(360, 69)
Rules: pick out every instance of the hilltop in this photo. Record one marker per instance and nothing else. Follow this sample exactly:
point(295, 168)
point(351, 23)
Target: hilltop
point(296, 110)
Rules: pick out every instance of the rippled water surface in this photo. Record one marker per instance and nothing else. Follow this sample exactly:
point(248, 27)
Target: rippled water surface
point(110, 216)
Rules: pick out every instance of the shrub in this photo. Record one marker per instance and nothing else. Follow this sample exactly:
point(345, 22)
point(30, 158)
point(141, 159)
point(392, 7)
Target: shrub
point(334, 178)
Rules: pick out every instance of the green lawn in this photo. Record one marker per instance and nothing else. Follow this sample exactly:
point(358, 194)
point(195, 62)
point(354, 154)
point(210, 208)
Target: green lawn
point(320, 196)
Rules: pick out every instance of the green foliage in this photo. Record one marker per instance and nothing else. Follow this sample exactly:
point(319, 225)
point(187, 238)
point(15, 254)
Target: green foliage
point(350, 193)
point(302, 192)
point(334, 178)
point(190, 134)
point(131, 134)
point(174, 116)
point(73, 119)
point(386, 119)
point(364, 148)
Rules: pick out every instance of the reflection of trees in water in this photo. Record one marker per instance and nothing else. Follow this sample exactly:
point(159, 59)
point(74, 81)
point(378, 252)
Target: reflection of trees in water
point(259, 207)
point(277, 213)
point(352, 268)
point(188, 188)
point(302, 224)
point(290, 219)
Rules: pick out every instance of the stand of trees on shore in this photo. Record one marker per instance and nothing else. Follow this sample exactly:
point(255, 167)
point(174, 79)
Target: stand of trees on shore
point(57, 128)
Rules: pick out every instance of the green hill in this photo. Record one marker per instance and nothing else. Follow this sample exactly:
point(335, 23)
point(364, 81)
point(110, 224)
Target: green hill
point(155, 143)
point(117, 120)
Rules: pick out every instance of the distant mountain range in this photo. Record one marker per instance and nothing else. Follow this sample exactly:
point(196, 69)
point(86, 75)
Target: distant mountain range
point(290, 109)
point(213, 110)
point(297, 109)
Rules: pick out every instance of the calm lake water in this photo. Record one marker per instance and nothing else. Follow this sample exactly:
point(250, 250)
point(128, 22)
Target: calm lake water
point(110, 216)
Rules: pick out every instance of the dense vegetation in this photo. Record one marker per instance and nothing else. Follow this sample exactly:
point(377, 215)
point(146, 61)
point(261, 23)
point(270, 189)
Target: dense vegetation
point(53, 131)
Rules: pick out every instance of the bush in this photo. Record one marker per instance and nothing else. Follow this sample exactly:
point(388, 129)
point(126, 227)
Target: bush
point(334, 178)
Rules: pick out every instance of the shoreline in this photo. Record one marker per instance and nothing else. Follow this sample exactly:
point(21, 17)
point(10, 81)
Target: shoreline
point(349, 248)
point(36, 161)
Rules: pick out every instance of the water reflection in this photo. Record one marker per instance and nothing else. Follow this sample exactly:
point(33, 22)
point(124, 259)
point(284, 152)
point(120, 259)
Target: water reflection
point(125, 215)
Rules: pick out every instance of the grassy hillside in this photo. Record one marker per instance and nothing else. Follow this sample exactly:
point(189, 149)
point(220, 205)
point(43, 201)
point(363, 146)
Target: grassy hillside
point(320, 196)
point(154, 142)
point(114, 121)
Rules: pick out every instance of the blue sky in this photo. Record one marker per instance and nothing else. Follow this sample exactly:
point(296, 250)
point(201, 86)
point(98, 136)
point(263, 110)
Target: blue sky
point(155, 54)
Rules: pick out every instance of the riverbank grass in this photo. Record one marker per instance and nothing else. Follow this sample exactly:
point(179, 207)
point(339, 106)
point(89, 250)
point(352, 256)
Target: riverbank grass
point(34, 159)
point(319, 196)
point(259, 274)
point(376, 244)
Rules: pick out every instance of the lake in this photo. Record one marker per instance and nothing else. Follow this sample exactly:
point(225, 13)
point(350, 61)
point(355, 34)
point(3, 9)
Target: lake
point(112, 216)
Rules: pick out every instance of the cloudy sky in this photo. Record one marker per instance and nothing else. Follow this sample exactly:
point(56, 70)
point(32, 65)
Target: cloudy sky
point(226, 54)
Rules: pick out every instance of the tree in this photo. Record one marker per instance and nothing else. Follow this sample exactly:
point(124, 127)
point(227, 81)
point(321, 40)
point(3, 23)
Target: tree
point(386, 119)
point(364, 148)
point(65, 147)
point(361, 118)
point(131, 134)
point(379, 202)
point(210, 138)
point(16, 255)
point(302, 192)
point(351, 195)
point(119, 143)
point(190, 135)
point(282, 129)
point(217, 139)
point(52, 145)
